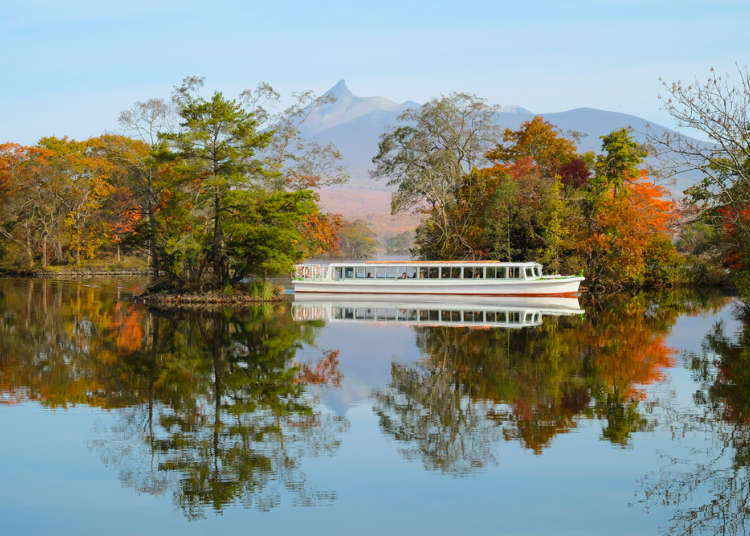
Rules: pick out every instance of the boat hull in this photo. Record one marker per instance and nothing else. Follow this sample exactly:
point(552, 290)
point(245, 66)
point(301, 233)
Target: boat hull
point(559, 286)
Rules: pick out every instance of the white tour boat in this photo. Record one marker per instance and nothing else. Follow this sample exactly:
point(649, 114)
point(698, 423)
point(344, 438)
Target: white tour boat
point(474, 278)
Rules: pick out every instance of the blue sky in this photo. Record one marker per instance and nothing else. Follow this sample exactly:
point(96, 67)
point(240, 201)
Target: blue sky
point(68, 68)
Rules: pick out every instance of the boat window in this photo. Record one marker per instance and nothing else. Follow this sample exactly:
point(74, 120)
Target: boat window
point(490, 316)
point(448, 272)
point(411, 272)
point(361, 272)
point(472, 316)
point(500, 272)
point(349, 272)
point(349, 313)
point(500, 317)
point(529, 273)
point(514, 317)
point(490, 272)
point(478, 273)
point(381, 272)
point(468, 272)
point(450, 316)
point(422, 272)
point(538, 271)
point(514, 272)
point(394, 272)
point(433, 272)
point(339, 271)
point(386, 314)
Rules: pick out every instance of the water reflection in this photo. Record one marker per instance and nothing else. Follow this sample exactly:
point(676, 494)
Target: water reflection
point(711, 494)
point(474, 386)
point(218, 408)
point(214, 405)
point(436, 311)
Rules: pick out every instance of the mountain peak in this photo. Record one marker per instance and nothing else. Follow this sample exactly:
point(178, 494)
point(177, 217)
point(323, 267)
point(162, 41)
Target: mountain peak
point(339, 90)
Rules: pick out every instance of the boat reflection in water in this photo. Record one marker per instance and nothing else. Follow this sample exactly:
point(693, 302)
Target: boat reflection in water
point(464, 311)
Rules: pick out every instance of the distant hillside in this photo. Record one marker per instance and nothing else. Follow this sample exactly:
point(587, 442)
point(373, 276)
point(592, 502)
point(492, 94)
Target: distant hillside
point(354, 124)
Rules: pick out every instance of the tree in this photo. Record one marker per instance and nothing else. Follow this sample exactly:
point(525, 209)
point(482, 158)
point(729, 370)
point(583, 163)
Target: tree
point(717, 108)
point(618, 162)
point(211, 158)
point(303, 163)
point(32, 210)
point(399, 244)
point(357, 240)
point(146, 120)
point(262, 230)
point(538, 139)
point(427, 155)
point(215, 148)
point(628, 218)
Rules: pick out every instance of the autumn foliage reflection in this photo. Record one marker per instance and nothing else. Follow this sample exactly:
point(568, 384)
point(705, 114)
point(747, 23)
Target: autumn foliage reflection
point(530, 385)
point(212, 406)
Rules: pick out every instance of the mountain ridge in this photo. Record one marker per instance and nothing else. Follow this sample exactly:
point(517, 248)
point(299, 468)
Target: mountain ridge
point(354, 124)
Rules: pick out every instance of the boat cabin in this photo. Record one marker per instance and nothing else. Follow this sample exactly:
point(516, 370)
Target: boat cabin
point(383, 270)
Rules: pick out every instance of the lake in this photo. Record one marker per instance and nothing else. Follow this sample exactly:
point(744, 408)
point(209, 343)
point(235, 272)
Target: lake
point(625, 415)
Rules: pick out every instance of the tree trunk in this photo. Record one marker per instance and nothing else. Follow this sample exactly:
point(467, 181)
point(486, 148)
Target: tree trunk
point(217, 253)
point(154, 261)
point(44, 251)
point(29, 249)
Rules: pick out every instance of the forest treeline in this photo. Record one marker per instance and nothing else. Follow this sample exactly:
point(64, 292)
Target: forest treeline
point(211, 191)
point(208, 190)
point(530, 194)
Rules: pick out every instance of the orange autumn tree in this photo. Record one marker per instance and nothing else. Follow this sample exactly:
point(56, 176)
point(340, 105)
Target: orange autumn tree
point(631, 241)
point(128, 201)
point(320, 232)
point(31, 207)
point(541, 141)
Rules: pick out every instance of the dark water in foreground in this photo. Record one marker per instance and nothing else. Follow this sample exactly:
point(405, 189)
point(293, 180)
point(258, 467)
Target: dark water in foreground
point(372, 418)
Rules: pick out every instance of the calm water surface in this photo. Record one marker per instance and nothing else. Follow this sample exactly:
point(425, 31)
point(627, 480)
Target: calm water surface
point(335, 417)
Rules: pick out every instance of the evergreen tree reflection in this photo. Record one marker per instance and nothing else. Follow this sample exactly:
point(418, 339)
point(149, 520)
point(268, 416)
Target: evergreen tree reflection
point(211, 405)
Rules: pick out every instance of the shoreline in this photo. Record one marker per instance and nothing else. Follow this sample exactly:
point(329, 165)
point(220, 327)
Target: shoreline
point(74, 274)
point(207, 299)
